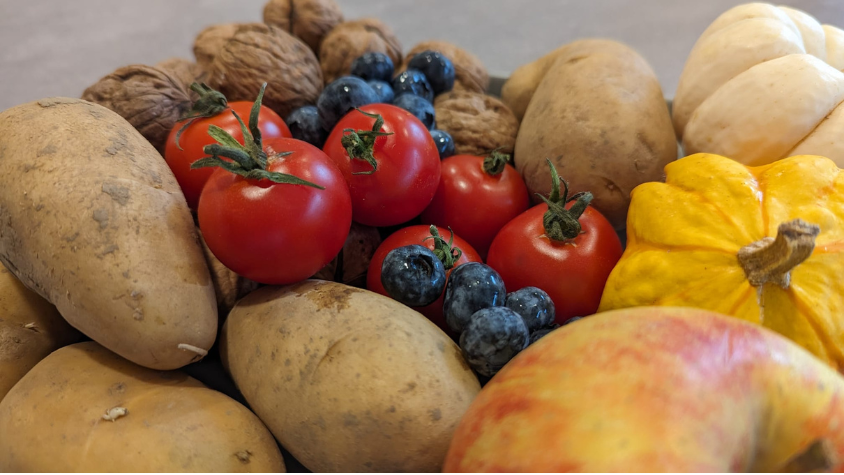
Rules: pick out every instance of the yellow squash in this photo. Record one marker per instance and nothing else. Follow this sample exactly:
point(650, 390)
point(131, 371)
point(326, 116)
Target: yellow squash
point(765, 244)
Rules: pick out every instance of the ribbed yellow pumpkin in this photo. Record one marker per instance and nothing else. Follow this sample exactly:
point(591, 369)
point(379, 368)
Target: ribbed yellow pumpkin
point(764, 244)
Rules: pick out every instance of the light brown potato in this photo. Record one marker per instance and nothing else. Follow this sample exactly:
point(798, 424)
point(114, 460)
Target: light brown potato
point(30, 329)
point(93, 220)
point(600, 116)
point(346, 379)
point(85, 409)
point(519, 88)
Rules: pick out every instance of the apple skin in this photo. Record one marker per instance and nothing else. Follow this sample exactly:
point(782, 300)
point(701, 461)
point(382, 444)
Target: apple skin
point(653, 389)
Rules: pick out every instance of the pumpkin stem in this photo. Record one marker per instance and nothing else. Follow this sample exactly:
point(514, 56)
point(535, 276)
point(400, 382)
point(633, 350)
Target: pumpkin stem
point(772, 259)
point(562, 224)
point(818, 457)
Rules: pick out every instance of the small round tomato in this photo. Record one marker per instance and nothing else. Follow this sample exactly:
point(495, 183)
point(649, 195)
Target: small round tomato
point(195, 137)
point(476, 197)
point(572, 269)
point(277, 233)
point(419, 234)
point(396, 166)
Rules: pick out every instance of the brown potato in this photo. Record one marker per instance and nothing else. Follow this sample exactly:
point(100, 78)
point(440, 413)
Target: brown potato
point(85, 409)
point(600, 116)
point(93, 220)
point(30, 329)
point(346, 379)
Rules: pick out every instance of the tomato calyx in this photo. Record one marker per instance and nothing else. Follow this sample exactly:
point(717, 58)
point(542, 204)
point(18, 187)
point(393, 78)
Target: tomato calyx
point(495, 162)
point(359, 144)
point(209, 104)
point(563, 224)
point(446, 252)
point(248, 160)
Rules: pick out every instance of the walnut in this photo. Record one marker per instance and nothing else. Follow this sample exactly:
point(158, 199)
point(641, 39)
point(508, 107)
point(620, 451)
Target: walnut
point(183, 69)
point(308, 20)
point(210, 41)
point(470, 73)
point(259, 53)
point(152, 100)
point(349, 40)
point(350, 266)
point(477, 122)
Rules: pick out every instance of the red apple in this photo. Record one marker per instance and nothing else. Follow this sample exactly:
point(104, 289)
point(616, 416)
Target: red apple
point(656, 389)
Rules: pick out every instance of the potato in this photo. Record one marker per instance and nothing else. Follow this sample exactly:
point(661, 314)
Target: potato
point(519, 88)
point(346, 379)
point(30, 329)
point(92, 219)
point(85, 409)
point(600, 116)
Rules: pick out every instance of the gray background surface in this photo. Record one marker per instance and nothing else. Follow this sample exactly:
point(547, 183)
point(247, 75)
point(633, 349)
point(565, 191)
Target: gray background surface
point(59, 47)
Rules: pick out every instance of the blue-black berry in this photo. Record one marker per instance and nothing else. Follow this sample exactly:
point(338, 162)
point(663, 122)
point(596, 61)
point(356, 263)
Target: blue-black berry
point(471, 287)
point(438, 69)
point(445, 144)
point(304, 125)
point(342, 96)
point(492, 338)
point(535, 336)
point(414, 82)
point(373, 66)
point(534, 305)
point(383, 90)
point(422, 109)
point(413, 275)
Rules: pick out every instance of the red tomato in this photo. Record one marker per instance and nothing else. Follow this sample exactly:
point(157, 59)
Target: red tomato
point(417, 235)
point(277, 233)
point(195, 137)
point(408, 166)
point(474, 203)
point(573, 272)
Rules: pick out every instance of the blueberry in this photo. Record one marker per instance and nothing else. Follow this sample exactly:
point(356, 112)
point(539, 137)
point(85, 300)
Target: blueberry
point(445, 144)
point(534, 306)
point(414, 82)
point(535, 336)
point(383, 90)
point(342, 96)
point(373, 66)
point(422, 109)
point(437, 68)
point(492, 338)
point(471, 287)
point(304, 125)
point(413, 275)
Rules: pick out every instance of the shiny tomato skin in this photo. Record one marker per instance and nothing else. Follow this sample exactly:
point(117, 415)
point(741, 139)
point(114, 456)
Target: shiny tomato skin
point(416, 235)
point(277, 233)
point(572, 273)
point(475, 204)
point(408, 171)
point(195, 137)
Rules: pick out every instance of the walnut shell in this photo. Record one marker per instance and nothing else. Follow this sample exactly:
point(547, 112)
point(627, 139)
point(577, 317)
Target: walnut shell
point(470, 73)
point(351, 264)
point(150, 99)
point(183, 69)
point(308, 20)
point(210, 41)
point(349, 40)
point(259, 53)
point(478, 123)
point(228, 286)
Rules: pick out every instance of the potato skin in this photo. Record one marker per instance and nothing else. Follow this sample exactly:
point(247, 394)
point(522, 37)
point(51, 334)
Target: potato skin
point(30, 329)
point(599, 114)
point(347, 380)
point(92, 219)
point(52, 421)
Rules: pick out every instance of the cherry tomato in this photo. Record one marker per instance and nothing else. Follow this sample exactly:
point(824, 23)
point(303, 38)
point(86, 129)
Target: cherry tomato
point(407, 164)
point(572, 272)
point(417, 235)
point(473, 201)
point(195, 137)
point(277, 233)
